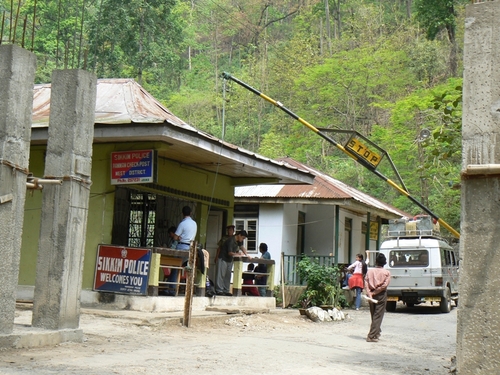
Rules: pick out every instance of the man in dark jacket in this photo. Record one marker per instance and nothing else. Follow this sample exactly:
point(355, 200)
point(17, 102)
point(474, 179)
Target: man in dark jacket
point(232, 247)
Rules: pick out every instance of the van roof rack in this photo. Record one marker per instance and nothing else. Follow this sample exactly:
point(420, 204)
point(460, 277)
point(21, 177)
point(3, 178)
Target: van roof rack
point(413, 233)
point(419, 226)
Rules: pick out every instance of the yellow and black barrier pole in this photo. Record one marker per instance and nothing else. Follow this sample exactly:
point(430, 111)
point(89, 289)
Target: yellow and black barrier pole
point(343, 149)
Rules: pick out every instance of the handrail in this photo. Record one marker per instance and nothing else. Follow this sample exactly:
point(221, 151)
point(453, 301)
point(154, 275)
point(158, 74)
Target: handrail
point(238, 274)
point(289, 272)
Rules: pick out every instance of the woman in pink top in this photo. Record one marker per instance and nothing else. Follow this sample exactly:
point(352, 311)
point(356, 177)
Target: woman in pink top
point(356, 281)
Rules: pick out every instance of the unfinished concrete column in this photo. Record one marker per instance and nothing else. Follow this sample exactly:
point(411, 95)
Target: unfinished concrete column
point(17, 75)
point(63, 226)
point(478, 326)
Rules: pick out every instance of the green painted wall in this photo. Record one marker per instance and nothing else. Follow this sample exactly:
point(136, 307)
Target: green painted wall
point(31, 228)
point(100, 221)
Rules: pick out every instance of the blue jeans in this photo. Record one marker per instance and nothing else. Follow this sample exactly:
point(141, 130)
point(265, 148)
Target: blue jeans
point(171, 288)
point(358, 297)
point(263, 291)
point(346, 280)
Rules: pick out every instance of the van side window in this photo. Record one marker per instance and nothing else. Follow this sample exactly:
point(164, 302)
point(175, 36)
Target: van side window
point(449, 259)
point(453, 258)
point(443, 257)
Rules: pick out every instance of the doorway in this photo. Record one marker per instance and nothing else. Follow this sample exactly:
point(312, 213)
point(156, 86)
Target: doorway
point(215, 227)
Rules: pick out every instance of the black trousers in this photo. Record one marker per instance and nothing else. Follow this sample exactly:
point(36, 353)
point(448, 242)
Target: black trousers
point(377, 311)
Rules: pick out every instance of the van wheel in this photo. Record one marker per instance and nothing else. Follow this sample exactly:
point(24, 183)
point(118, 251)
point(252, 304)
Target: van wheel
point(390, 306)
point(445, 304)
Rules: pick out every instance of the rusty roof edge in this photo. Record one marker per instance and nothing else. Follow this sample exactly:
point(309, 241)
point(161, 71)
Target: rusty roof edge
point(169, 118)
point(230, 146)
point(213, 145)
point(346, 203)
point(355, 194)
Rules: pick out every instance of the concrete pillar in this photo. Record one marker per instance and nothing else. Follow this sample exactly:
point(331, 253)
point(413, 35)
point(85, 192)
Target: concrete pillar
point(63, 227)
point(17, 75)
point(478, 325)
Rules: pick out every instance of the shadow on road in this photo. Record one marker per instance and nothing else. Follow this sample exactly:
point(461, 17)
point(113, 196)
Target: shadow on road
point(422, 309)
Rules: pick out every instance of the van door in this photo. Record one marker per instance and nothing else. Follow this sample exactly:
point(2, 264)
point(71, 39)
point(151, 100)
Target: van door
point(450, 269)
point(410, 268)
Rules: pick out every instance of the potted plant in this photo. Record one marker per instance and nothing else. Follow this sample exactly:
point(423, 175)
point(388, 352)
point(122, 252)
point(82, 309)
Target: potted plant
point(305, 301)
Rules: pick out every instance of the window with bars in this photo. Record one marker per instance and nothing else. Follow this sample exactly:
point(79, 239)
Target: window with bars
point(142, 219)
point(250, 225)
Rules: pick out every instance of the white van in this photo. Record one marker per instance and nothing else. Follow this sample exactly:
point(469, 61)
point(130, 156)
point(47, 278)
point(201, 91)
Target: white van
point(423, 266)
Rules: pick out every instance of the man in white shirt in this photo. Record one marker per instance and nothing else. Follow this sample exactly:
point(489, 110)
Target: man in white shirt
point(186, 230)
point(185, 233)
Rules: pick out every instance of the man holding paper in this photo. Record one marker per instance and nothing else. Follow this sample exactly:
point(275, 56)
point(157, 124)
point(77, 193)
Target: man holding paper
point(376, 283)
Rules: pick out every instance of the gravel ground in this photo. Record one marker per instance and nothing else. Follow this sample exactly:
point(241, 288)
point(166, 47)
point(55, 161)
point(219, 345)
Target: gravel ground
point(414, 341)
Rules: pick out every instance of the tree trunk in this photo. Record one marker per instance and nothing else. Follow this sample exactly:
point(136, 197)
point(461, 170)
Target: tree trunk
point(328, 32)
point(453, 63)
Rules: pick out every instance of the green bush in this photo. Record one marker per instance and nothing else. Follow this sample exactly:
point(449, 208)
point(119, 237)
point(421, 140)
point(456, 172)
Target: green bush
point(278, 295)
point(323, 284)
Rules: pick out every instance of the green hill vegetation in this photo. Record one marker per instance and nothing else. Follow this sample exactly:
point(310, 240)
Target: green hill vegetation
point(388, 69)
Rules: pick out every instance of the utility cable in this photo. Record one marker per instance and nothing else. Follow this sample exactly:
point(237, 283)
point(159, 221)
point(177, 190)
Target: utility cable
point(221, 142)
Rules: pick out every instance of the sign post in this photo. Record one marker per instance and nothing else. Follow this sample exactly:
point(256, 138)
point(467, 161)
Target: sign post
point(121, 269)
point(133, 167)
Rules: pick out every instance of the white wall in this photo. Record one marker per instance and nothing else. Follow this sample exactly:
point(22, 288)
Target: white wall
point(270, 231)
point(358, 238)
point(271, 228)
point(320, 230)
point(290, 221)
point(278, 229)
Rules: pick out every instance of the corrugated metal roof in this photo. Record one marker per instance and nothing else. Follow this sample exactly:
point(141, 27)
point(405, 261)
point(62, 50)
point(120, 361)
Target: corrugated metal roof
point(123, 102)
point(118, 101)
point(324, 187)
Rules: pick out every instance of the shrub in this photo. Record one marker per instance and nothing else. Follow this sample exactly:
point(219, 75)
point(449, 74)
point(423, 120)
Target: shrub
point(323, 283)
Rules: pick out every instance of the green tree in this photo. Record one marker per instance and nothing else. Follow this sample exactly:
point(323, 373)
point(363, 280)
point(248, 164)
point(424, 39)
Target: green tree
point(143, 39)
point(429, 165)
point(436, 16)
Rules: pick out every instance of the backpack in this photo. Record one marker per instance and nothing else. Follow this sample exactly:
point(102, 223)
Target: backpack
point(210, 288)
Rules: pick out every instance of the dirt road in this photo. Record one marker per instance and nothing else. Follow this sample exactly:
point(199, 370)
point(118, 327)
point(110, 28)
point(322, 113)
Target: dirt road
point(414, 341)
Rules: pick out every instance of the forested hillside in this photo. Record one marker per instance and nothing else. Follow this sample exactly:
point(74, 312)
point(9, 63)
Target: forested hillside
point(389, 69)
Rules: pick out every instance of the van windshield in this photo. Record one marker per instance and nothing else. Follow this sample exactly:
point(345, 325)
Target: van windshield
point(408, 258)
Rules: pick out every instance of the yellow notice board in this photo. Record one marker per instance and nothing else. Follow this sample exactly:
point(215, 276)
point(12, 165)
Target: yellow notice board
point(373, 229)
point(360, 149)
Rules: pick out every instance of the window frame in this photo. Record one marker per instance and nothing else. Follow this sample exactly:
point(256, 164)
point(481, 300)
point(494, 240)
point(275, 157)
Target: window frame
point(251, 226)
